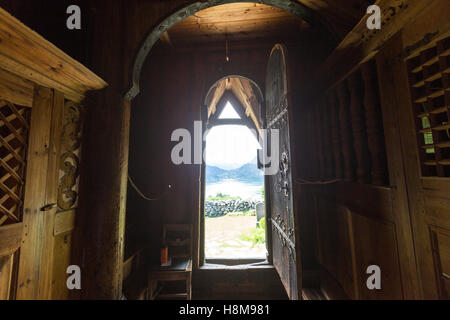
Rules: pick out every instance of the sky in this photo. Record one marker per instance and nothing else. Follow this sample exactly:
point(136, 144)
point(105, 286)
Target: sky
point(231, 146)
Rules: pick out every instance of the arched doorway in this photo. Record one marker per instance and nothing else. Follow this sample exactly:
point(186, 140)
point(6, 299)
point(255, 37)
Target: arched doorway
point(254, 117)
point(232, 185)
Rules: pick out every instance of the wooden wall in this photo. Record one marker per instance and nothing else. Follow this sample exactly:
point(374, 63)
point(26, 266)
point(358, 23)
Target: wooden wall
point(364, 218)
point(174, 86)
point(376, 205)
point(428, 192)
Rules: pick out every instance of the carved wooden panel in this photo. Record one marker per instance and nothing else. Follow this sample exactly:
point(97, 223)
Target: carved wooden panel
point(374, 125)
point(69, 159)
point(346, 134)
point(67, 198)
point(320, 150)
point(358, 127)
point(328, 146)
point(335, 133)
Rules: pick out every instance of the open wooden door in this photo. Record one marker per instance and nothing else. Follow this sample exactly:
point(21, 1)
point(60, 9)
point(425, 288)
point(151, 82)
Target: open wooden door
point(280, 204)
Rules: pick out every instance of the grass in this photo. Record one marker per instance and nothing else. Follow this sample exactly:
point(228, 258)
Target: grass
point(243, 213)
point(221, 196)
point(256, 235)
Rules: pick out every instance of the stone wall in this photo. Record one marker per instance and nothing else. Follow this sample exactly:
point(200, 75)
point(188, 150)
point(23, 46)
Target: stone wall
point(219, 208)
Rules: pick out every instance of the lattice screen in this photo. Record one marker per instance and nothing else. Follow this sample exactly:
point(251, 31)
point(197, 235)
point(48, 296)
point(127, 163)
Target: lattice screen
point(429, 78)
point(14, 127)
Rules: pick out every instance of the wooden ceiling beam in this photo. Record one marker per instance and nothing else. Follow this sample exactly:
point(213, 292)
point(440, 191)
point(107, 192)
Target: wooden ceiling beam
point(16, 89)
point(26, 54)
point(243, 91)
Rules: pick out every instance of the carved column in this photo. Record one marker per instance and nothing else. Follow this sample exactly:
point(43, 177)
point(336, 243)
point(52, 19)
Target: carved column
point(359, 127)
point(104, 168)
point(103, 197)
point(319, 142)
point(328, 147)
point(335, 133)
point(374, 125)
point(346, 134)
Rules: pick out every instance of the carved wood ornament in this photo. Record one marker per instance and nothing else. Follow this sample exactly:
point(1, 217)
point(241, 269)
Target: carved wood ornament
point(69, 160)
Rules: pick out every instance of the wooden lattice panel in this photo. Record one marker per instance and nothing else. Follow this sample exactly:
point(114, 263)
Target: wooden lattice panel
point(429, 78)
point(14, 127)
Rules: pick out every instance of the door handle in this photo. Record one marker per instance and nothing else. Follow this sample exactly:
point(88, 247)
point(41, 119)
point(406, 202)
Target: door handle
point(48, 207)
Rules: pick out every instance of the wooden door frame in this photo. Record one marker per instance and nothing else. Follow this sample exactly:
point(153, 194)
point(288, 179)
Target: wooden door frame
point(200, 220)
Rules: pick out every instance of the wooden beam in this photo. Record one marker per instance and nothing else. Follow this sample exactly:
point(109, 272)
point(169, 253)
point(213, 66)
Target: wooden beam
point(242, 89)
point(34, 197)
point(15, 89)
point(27, 54)
point(225, 122)
point(361, 44)
point(218, 92)
point(104, 208)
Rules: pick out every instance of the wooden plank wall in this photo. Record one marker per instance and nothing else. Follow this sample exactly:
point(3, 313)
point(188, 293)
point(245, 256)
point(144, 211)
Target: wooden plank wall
point(355, 201)
point(377, 205)
point(428, 194)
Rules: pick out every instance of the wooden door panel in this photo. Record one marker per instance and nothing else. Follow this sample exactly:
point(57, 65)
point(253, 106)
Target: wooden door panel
point(441, 254)
point(351, 238)
point(335, 245)
point(52, 189)
point(285, 249)
point(376, 244)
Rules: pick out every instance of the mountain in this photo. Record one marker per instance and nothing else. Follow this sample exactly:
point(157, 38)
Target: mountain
point(248, 173)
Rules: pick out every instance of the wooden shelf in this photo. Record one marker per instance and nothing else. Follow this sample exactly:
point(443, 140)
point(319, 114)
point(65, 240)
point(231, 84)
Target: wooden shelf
point(444, 162)
point(429, 68)
point(441, 145)
point(425, 130)
point(435, 111)
point(431, 78)
point(433, 95)
point(441, 127)
point(433, 43)
point(438, 128)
